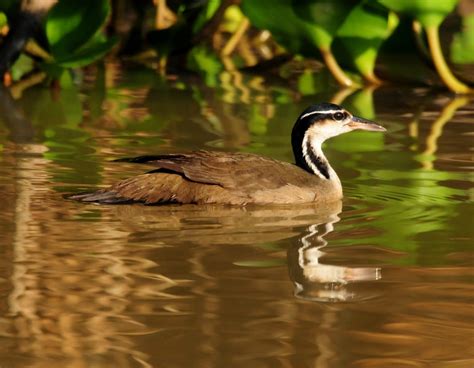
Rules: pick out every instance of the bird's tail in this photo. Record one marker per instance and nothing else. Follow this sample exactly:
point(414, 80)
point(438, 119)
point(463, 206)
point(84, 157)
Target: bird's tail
point(103, 196)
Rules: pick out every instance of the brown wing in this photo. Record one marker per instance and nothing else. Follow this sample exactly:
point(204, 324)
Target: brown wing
point(229, 170)
point(210, 177)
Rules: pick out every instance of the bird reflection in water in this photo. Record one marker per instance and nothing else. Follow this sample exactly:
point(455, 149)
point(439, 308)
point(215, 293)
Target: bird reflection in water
point(316, 281)
point(205, 225)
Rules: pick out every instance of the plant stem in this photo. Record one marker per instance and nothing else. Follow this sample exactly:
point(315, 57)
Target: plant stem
point(34, 49)
point(420, 40)
point(162, 64)
point(236, 37)
point(441, 66)
point(164, 16)
point(335, 69)
point(17, 88)
point(372, 78)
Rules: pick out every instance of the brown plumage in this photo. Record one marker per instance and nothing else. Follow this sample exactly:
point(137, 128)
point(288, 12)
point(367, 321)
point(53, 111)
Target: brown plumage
point(214, 177)
point(205, 177)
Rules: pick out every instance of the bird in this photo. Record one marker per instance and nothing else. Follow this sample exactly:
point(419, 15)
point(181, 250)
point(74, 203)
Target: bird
point(237, 178)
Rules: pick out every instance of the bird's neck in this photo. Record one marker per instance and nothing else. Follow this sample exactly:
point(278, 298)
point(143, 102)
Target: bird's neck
point(312, 159)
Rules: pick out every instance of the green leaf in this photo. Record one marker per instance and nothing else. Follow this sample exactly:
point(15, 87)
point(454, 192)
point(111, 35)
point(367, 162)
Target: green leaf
point(3, 19)
point(305, 27)
point(53, 70)
point(87, 55)
point(206, 14)
point(323, 17)
point(363, 33)
point(22, 66)
point(462, 48)
point(233, 17)
point(72, 24)
point(66, 81)
point(278, 17)
point(428, 12)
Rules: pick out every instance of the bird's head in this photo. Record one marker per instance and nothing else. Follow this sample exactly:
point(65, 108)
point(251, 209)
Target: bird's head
point(320, 122)
point(325, 120)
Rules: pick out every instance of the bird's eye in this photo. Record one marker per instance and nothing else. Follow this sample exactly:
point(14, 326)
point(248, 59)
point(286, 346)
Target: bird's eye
point(338, 116)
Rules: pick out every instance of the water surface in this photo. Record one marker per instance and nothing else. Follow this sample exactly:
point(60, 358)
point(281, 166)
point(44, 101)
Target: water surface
point(383, 279)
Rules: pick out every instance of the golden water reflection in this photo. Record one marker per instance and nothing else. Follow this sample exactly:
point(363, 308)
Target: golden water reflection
point(144, 284)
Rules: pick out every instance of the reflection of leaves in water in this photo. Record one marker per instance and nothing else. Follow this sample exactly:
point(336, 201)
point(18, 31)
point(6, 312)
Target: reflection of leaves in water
point(264, 263)
point(257, 122)
point(310, 83)
point(415, 205)
point(57, 118)
point(403, 205)
point(358, 142)
point(361, 103)
point(206, 63)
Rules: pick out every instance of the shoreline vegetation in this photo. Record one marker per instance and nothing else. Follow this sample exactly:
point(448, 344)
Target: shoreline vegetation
point(360, 43)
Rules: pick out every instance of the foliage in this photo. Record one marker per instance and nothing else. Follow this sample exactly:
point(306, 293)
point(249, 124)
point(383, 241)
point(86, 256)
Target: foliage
point(462, 48)
point(192, 16)
point(286, 27)
point(358, 28)
point(429, 13)
point(323, 18)
point(342, 33)
point(363, 33)
point(205, 14)
point(73, 30)
point(74, 36)
point(3, 19)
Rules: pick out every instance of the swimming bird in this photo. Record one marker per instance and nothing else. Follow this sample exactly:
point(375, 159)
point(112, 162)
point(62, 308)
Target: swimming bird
point(208, 177)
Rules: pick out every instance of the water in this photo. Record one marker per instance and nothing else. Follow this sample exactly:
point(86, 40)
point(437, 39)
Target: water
point(382, 280)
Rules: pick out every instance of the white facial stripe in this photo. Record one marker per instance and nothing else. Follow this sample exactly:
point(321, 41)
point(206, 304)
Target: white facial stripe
point(320, 112)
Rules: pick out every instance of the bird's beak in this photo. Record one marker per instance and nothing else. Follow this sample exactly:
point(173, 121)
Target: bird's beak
point(363, 124)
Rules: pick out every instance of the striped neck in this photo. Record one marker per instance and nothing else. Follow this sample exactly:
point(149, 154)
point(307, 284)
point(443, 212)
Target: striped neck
point(314, 160)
